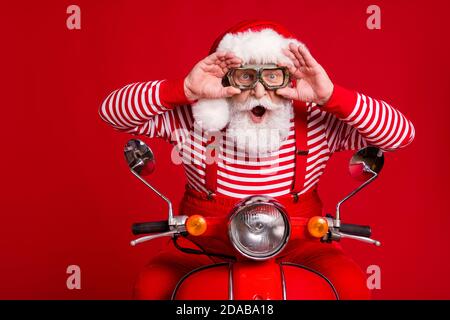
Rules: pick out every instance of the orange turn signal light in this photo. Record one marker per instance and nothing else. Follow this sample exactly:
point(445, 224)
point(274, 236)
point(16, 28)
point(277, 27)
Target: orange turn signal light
point(317, 226)
point(196, 225)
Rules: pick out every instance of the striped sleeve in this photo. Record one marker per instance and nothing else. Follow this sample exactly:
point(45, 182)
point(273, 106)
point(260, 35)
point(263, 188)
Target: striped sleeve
point(153, 108)
point(355, 120)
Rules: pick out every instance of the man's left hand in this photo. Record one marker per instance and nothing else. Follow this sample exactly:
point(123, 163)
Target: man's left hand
point(313, 83)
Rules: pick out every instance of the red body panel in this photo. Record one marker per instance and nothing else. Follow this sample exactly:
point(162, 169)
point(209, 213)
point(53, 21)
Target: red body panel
point(206, 284)
point(303, 284)
point(254, 281)
point(257, 281)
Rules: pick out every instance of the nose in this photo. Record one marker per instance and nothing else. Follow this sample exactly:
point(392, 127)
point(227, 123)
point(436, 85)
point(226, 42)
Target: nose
point(259, 91)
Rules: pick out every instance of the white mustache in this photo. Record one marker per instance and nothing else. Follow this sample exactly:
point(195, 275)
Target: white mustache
point(252, 102)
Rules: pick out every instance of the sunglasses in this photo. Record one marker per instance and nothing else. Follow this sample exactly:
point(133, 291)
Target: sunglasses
point(246, 77)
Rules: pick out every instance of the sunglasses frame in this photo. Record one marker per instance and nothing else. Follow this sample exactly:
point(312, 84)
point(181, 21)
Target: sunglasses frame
point(259, 68)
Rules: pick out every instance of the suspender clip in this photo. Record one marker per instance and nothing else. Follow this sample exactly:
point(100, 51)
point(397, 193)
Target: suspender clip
point(302, 152)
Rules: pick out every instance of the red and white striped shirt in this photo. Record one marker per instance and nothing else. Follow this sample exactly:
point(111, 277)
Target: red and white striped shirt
point(349, 121)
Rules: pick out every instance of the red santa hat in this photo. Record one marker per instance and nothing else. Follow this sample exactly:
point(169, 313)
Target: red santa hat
point(256, 42)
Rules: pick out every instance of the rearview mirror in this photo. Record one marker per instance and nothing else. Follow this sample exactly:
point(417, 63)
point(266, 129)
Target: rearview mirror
point(139, 157)
point(366, 163)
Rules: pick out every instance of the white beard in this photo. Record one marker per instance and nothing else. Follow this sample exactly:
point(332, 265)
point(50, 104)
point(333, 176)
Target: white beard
point(259, 139)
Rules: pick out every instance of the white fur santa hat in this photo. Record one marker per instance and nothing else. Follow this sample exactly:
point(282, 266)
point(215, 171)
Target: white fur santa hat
point(256, 42)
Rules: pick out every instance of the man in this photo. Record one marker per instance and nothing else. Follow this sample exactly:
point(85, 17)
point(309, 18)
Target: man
point(273, 118)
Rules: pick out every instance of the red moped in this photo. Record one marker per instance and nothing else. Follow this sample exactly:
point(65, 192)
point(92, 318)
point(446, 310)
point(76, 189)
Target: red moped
point(257, 230)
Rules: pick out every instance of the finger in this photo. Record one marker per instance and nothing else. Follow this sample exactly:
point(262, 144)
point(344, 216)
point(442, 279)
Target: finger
point(295, 71)
point(212, 59)
point(218, 57)
point(295, 61)
point(228, 61)
point(228, 64)
point(288, 93)
point(233, 65)
point(212, 68)
point(221, 54)
point(288, 54)
point(291, 56)
point(225, 55)
point(222, 64)
point(229, 55)
point(234, 61)
point(307, 56)
point(295, 50)
point(290, 67)
point(216, 71)
point(225, 67)
point(229, 91)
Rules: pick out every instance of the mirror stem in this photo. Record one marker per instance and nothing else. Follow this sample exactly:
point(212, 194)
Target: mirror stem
point(338, 213)
point(170, 220)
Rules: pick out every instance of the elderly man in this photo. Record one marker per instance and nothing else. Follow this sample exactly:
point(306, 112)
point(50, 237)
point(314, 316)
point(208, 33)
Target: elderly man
point(279, 119)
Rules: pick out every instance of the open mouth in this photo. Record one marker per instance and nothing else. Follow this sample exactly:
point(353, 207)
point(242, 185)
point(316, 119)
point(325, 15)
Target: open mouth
point(257, 113)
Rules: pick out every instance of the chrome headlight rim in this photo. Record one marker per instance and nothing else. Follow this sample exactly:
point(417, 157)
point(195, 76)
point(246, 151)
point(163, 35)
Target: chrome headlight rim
point(255, 201)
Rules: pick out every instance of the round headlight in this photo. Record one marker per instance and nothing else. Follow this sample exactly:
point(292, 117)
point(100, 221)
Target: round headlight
point(259, 228)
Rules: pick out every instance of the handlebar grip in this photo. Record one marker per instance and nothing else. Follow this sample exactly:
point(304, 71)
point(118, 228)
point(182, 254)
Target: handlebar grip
point(150, 227)
point(356, 230)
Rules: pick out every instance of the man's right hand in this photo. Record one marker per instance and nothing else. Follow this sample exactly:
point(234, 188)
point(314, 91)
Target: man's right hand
point(205, 79)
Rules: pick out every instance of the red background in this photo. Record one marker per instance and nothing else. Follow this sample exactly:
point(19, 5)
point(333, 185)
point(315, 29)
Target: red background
point(67, 196)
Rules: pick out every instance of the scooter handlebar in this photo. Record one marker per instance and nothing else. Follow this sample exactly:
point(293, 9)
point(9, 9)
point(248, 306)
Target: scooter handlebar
point(150, 227)
point(355, 229)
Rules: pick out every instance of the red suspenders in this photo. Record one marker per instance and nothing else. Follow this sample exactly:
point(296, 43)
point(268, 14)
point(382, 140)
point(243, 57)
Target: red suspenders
point(301, 153)
point(211, 166)
point(301, 145)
